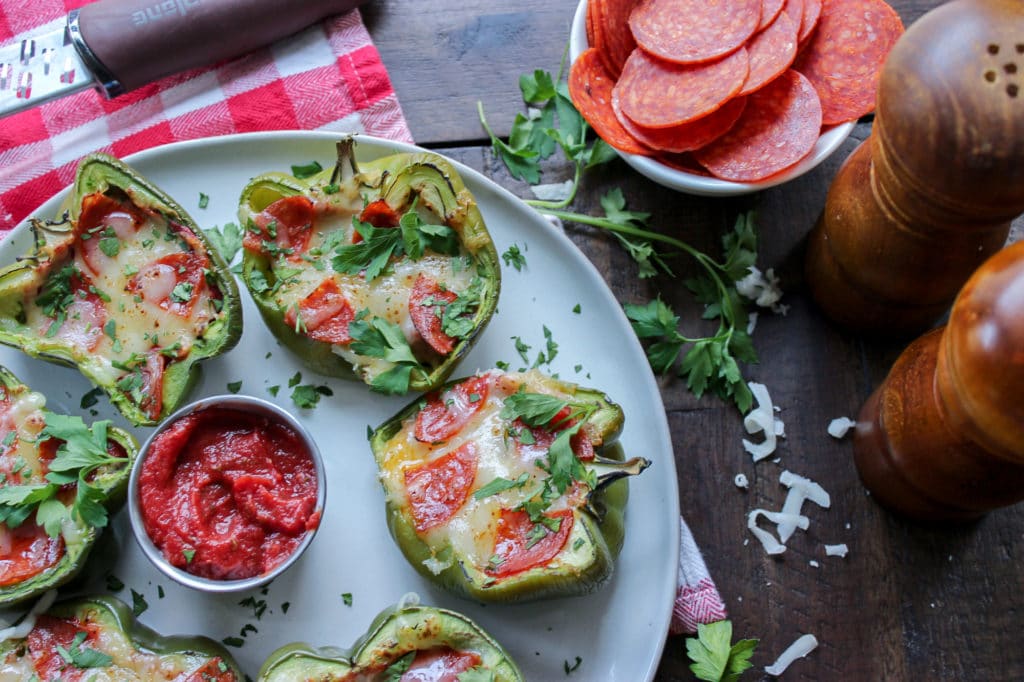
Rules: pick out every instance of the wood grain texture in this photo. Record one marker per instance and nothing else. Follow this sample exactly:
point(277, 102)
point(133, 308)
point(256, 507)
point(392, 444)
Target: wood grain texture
point(910, 601)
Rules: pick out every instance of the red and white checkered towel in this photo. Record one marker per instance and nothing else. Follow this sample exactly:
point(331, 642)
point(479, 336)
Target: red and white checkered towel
point(328, 77)
point(281, 87)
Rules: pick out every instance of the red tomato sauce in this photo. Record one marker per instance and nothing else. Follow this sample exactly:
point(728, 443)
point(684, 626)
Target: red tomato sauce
point(227, 494)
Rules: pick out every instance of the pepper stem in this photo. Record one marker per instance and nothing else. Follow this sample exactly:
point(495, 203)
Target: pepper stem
point(346, 168)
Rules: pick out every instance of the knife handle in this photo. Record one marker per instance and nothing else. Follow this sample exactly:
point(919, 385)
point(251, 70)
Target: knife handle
point(134, 42)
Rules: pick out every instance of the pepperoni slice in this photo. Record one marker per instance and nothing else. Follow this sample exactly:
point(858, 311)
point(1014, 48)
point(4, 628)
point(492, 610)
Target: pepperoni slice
point(685, 136)
point(325, 314)
point(287, 223)
point(440, 665)
point(380, 214)
point(28, 551)
point(769, 10)
point(613, 17)
point(844, 57)
point(780, 126)
point(103, 217)
point(539, 442)
point(590, 88)
point(520, 544)
point(213, 670)
point(771, 52)
point(809, 18)
point(693, 31)
point(172, 282)
point(659, 94)
point(445, 414)
point(43, 640)
point(427, 303)
point(438, 488)
point(684, 162)
point(153, 384)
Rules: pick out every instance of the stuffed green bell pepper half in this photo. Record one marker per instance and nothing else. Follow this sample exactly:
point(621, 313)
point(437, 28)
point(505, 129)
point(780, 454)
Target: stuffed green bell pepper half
point(505, 486)
point(407, 641)
point(96, 639)
point(382, 271)
point(58, 480)
point(125, 287)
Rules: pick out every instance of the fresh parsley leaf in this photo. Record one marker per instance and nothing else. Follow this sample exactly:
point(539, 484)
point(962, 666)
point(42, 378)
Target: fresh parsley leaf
point(346, 597)
point(500, 485)
point(236, 642)
point(110, 244)
point(91, 398)
point(534, 409)
point(227, 239)
point(114, 583)
point(456, 318)
point(714, 658)
point(189, 554)
point(50, 515)
point(182, 292)
point(83, 657)
point(234, 386)
point(304, 171)
point(307, 396)
point(569, 669)
point(204, 200)
point(295, 380)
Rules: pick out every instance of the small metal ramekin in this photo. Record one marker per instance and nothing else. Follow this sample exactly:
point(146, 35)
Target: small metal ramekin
point(241, 403)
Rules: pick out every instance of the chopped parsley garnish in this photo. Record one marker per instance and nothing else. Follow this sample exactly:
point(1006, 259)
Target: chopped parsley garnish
point(273, 390)
point(304, 171)
point(576, 309)
point(139, 604)
point(236, 642)
point(307, 396)
point(182, 292)
point(569, 669)
point(234, 386)
point(91, 398)
point(534, 409)
point(226, 239)
point(189, 554)
point(114, 583)
point(457, 320)
point(109, 243)
point(346, 598)
point(377, 338)
point(204, 200)
point(500, 485)
point(380, 244)
point(513, 257)
point(83, 657)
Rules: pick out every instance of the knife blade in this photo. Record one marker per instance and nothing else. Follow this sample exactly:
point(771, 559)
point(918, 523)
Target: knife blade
point(120, 45)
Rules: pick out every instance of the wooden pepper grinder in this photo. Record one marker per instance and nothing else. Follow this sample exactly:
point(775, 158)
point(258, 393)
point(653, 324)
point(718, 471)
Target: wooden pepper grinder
point(943, 436)
point(931, 193)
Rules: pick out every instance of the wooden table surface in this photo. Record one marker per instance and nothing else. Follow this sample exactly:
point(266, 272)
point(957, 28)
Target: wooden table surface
point(910, 601)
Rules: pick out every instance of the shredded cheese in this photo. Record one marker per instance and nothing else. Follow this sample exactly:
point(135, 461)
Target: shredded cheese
point(21, 630)
point(839, 550)
point(763, 289)
point(804, 645)
point(741, 481)
point(762, 419)
point(768, 541)
point(800, 489)
point(839, 427)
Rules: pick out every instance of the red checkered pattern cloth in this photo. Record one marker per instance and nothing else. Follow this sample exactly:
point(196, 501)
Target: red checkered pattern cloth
point(328, 77)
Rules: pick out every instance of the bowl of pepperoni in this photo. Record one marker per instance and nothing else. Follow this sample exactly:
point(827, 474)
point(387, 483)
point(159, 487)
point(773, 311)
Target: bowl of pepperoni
point(727, 98)
point(227, 493)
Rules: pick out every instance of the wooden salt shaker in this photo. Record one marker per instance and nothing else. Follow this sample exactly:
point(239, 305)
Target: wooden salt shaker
point(943, 436)
point(931, 193)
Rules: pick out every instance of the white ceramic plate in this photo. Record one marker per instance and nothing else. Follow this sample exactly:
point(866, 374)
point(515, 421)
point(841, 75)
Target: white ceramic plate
point(618, 632)
point(702, 185)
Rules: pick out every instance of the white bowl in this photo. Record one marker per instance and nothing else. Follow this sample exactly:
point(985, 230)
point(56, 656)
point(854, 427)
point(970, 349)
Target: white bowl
point(692, 183)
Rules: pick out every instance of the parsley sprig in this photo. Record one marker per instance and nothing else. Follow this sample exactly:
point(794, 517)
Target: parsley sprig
point(711, 362)
point(83, 451)
point(380, 244)
point(715, 658)
point(83, 657)
point(375, 337)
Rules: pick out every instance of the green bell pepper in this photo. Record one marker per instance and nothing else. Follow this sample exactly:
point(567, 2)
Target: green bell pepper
point(125, 287)
point(506, 486)
point(401, 639)
point(382, 271)
point(48, 527)
point(97, 637)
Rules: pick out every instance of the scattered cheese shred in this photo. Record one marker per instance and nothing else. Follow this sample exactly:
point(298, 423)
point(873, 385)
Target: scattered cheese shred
point(800, 489)
point(555, 191)
point(804, 645)
point(741, 481)
point(763, 289)
point(839, 550)
point(21, 630)
point(839, 427)
point(762, 419)
point(768, 541)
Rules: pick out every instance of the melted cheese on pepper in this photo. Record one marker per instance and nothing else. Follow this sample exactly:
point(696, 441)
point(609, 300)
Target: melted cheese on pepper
point(128, 663)
point(139, 322)
point(471, 531)
point(387, 296)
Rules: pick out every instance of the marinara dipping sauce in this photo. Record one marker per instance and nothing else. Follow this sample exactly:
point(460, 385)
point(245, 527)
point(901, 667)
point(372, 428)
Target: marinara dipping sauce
point(228, 489)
